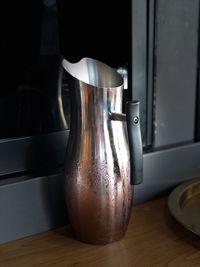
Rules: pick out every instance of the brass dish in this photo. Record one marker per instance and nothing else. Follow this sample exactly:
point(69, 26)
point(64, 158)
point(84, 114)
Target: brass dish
point(184, 205)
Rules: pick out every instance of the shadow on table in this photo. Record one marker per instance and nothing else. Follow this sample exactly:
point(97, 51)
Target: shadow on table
point(180, 231)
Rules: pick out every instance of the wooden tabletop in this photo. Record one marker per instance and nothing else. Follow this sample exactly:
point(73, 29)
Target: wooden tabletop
point(153, 239)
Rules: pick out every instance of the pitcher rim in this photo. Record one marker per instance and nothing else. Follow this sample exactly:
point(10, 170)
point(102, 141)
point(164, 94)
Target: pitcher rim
point(119, 82)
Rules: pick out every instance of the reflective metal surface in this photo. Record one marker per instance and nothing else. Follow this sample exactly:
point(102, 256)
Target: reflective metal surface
point(97, 165)
point(184, 204)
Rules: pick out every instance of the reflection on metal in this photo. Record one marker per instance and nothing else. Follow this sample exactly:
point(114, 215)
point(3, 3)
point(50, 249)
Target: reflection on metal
point(64, 124)
point(97, 166)
point(123, 71)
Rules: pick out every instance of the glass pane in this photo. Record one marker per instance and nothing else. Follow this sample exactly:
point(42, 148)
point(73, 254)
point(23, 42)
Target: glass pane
point(33, 35)
point(30, 61)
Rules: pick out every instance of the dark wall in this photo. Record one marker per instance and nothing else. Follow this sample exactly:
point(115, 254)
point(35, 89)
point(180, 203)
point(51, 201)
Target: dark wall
point(29, 32)
point(20, 29)
point(98, 29)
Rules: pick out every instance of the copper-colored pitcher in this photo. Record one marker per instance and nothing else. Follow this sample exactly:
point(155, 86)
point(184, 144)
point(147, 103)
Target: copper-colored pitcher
point(98, 162)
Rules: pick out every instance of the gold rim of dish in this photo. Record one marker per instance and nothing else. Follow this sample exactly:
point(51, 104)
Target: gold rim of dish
point(178, 197)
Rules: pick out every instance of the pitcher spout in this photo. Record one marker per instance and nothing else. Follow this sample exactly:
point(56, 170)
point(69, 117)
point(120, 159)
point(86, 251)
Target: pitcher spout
point(94, 73)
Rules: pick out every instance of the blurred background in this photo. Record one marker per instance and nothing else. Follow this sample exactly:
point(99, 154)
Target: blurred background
point(34, 35)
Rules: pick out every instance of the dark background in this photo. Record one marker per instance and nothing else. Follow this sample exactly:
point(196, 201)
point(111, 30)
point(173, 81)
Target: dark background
point(33, 36)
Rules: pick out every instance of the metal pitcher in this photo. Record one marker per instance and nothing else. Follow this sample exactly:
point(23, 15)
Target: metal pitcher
point(100, 164)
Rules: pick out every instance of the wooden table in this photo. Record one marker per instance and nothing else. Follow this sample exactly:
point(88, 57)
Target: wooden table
point(153, 239)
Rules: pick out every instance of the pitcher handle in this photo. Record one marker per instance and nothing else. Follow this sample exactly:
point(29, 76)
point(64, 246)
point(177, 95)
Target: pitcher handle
point(135, 139)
